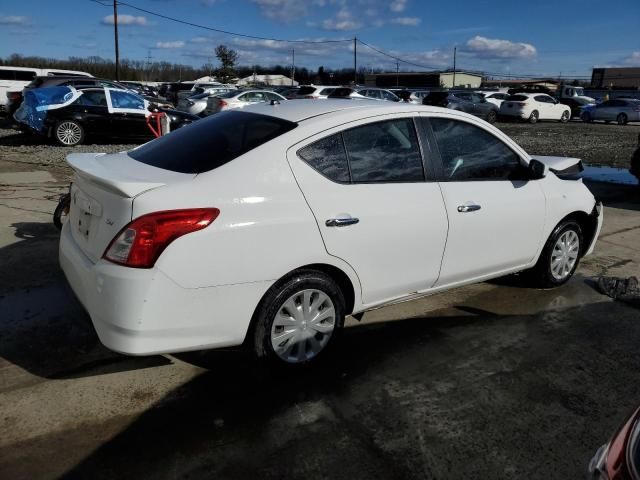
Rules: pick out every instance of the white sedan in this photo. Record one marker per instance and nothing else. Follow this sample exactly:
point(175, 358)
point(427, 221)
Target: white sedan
point(535, 107)
point(240, 99)
point(267, 226)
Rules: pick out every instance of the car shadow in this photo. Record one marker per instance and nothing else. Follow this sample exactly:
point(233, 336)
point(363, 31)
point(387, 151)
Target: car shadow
point(43, 328)
point(349, 417)
point(25, 139)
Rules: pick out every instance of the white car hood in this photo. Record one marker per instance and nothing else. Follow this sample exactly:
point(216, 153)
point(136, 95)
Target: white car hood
point(557, 164)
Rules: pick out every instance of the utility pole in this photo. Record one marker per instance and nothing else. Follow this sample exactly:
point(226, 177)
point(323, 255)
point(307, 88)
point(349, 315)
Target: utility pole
point(397, 73)
point(355, 61)
point(454, 66)
point(149, 57)
point(293, 65)
point(115, 32)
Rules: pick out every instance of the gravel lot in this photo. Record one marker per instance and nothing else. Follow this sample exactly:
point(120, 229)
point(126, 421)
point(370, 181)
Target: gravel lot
point(596, 144)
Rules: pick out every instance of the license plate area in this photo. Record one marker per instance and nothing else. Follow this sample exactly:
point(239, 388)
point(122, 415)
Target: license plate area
point(87, 209)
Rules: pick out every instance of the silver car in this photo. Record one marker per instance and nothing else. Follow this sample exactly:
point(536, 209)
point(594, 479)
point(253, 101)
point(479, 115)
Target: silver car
point(196, 103)
point(617, 110)
point(240, 99)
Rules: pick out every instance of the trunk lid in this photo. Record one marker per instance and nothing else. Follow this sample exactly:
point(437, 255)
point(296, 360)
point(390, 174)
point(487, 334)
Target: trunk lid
point(102, 194)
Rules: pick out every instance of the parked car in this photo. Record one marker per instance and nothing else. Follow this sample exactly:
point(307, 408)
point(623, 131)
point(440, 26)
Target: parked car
point(141, 88)
point(240, 99)
point(619, 459)
point(69, 116)
point(617, 110)
point(14, 79)
point(494, 97)
point(195, 104)
point(378, 94)
point(171, 92)
point(347, 93)
point(467, 102)
point(312, 92)
point(411, 96)
point(535, 107)
point(266, 226)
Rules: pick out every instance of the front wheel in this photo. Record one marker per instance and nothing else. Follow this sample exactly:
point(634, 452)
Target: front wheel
point(622, 119)
point(61, 213)
point(68, 133)
point(560, 257)
point(533, 118)
point(566, 116)
point(492, 116)
point(299, 319)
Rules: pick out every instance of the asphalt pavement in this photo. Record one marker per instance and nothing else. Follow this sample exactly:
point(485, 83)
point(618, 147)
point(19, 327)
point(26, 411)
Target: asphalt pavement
point(494, 380)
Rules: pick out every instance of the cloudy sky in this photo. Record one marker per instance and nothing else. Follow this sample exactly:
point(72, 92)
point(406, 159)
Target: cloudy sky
point(544, 37)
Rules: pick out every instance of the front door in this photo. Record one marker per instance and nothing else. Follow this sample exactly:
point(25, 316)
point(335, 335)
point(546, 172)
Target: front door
point(496, 218)
point(128, 114)
point(365, 184)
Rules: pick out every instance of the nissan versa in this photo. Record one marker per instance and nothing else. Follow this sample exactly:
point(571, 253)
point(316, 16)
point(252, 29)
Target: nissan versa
point(267, 226)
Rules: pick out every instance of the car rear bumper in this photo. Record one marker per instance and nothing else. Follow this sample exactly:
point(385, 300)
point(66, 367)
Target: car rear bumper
point(144, 312)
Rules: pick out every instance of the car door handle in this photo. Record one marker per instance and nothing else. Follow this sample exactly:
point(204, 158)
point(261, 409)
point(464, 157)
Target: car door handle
point(341, 221)
point(468, 208)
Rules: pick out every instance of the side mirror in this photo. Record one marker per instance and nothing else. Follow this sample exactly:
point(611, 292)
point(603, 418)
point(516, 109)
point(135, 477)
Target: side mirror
point(537, 169)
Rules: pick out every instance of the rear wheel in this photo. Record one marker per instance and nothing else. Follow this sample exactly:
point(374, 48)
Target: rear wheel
point(622, 119)
point(299, 319)
point(560, 257)
point(534, 117)
point(566, 116)
point(492, 116)
point(68, 133)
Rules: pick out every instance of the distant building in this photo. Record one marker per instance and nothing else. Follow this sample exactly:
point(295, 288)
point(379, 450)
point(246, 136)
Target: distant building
point(627, 77)
point(270, 80)
point(515, 82)
point(424, 79)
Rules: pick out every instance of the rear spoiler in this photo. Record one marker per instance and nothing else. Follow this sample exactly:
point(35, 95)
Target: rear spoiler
point(91, 167)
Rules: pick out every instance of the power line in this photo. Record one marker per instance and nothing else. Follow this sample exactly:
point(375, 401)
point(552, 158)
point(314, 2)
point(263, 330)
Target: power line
point(226, 32)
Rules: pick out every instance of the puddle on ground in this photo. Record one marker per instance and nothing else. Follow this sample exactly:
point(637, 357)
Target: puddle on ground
point(609, 175)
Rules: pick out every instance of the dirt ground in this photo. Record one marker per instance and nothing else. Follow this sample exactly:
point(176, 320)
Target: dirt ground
point(489, 381)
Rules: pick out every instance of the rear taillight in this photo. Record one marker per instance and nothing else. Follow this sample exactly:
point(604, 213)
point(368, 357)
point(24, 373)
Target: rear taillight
point(14, 96)
point(141, 242)
point(222, 103)
point(311, 97)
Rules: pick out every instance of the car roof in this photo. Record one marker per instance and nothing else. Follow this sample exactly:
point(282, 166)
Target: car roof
point(301, 110)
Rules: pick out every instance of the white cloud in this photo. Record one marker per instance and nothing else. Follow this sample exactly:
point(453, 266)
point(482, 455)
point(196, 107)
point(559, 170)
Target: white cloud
point(633, 59)
point(342, 21)
point(493, 48)
point(170, 45)
point(283, 10)
point(126, 20)
point(407, 21)
point(200, 40)
point(13, 20)
point(398, 6)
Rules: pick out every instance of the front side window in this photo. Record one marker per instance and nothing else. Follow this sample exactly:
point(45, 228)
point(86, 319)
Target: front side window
point(384, 152)
point(471, 153)
point(25, 75)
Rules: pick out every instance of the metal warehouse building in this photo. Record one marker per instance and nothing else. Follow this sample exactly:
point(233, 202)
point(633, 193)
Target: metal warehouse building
point(424, 79)
point(628, 77)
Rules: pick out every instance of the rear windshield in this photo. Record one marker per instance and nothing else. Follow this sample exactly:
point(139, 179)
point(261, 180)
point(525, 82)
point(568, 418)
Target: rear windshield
point(518, 98)
point(306, 90)
point(210, 143)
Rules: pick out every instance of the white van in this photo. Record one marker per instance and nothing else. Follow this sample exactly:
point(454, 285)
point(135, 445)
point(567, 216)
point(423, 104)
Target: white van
point(14, 79)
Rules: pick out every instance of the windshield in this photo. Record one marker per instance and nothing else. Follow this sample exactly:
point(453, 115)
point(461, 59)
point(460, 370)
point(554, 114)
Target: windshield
point(579, 91)
point(210, 143)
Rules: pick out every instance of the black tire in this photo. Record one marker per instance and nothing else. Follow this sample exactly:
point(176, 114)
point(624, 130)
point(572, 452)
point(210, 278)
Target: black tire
point(68, 133)
point(566, 116)
point(61, 211)
point(492, 116)
point(541, 275)
point(622, 119)
point(273, 302)
point(533, 118)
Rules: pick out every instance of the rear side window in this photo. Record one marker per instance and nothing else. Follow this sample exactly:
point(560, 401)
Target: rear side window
point(328, 157)
point(306, 90)
point(518, 98)
point(212, 142)
point(25, 75)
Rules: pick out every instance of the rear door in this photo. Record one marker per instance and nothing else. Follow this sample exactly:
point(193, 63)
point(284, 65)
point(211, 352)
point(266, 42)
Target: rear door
point(496, 219)
point(366, 187)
